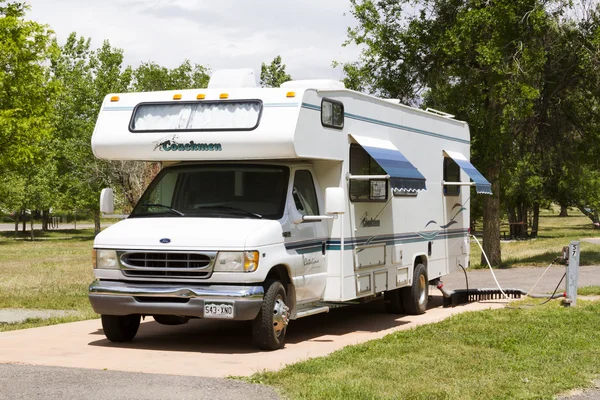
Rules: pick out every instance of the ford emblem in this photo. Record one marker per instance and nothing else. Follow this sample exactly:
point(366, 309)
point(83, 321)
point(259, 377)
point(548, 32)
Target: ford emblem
point(165, 240)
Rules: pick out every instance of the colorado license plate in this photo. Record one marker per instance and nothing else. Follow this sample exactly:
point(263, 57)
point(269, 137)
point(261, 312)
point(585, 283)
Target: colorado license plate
point(218, 310)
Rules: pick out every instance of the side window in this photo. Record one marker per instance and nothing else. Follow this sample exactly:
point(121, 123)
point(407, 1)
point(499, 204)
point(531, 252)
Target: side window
point(332, 114)
point(451, 174)
point(361, 163)
point(304, 194)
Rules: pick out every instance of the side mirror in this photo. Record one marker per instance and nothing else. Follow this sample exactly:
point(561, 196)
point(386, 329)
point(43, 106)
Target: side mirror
point(107, 201)
point(335, 200)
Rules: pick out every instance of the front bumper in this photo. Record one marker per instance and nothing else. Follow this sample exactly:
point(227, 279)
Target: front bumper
point(125, 298)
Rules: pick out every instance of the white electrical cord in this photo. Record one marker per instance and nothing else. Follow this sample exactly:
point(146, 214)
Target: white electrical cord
point(540, 278)
point(489, 265)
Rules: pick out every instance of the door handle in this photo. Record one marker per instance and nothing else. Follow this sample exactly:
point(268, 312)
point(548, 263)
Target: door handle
point(323, 247)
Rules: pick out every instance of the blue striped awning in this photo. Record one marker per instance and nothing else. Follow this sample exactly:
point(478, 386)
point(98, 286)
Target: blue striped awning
point(404, 177)
point(482, 186)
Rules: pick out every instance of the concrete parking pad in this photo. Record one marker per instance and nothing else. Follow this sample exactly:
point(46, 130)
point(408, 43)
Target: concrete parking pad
point(210, 348)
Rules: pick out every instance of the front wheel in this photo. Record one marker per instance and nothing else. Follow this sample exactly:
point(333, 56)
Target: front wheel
point(270, 325)
point(416, 296)
point(120, 328)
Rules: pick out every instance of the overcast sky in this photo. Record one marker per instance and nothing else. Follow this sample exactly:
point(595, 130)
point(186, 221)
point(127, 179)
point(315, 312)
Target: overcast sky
point(308, 34)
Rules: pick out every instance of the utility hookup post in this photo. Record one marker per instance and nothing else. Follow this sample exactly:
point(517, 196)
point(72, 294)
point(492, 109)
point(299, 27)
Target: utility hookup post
point(572, 274)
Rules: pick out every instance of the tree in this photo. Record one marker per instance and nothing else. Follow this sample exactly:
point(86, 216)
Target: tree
point(27, 94)
point(482, 61)
point(149, 77)
point(273, 75)
point(86, 77)
point(26, 87)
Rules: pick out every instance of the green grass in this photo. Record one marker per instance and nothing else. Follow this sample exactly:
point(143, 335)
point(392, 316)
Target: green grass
point(589, 291)
point(554, 233)
point(519, 353)
point(53, 272)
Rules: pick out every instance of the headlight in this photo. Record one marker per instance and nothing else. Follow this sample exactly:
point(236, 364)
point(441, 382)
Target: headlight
point(237, 261)
point(106, 259)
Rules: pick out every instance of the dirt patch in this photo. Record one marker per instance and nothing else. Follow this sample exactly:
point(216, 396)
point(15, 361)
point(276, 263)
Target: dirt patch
point(592, 393)
point(15, 315)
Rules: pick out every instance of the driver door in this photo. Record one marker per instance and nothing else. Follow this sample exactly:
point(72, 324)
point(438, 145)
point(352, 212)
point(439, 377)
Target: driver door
point(311, 275)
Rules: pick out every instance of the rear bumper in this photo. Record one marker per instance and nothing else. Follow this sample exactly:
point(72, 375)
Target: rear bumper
point(125, 298)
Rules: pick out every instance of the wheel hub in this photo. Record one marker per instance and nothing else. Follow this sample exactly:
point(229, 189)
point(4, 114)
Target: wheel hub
point(281, 316)
point(422, 290)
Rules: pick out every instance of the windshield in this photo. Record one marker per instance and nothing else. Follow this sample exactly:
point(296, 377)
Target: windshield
point(221, 191)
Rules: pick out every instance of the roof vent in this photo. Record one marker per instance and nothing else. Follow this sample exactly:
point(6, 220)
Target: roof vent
point(322, 84)
point(232, 78)
point(438, 112)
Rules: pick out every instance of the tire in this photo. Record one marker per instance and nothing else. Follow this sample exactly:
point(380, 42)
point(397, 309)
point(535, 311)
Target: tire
point(120, 328)
point(416, 296)
point(170, 319)
point(270, 325)
point(393, 301)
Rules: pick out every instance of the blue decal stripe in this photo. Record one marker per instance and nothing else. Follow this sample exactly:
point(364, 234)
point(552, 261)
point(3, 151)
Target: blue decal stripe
point(351, 243)
point(390, 125)
point(336, 246)
point(311, 106)
point(404, 127)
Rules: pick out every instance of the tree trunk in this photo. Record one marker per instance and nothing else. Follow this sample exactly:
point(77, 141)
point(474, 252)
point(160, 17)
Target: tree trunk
point(536, 220)
point(591, 215)
point(491, 219)
point(512, 220)
point(45, 220)
point(97, 221)
point(32, 237)
point(24, 221)
point(522, 227)
point(564, 212)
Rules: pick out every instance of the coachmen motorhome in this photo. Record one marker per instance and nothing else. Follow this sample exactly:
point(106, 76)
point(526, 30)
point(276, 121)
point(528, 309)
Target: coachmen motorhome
point(277, 204)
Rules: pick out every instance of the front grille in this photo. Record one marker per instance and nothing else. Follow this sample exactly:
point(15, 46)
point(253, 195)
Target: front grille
point(167, 264)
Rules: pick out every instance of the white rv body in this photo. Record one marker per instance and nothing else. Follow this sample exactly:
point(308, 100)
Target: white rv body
point(383, 238)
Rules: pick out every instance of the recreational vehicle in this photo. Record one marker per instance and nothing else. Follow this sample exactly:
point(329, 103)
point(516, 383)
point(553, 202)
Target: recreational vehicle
point(274, 204)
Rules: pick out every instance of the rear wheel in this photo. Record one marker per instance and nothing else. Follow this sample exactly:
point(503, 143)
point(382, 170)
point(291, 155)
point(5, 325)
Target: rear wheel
point(120, 328)
point(270, 325)
point(416, 296)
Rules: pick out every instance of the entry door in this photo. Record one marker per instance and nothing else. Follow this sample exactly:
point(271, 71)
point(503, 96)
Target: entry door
point(311, 275)
point(454, 214)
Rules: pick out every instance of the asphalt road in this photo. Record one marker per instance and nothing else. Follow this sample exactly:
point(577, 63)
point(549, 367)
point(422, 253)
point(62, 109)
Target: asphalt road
point(35, 382)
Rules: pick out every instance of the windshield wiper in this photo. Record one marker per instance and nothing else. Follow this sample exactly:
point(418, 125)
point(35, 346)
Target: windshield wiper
point(228, 208)
point(163, 206)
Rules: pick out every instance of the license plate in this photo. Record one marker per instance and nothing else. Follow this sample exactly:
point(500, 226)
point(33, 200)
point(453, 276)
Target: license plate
point(218, 310)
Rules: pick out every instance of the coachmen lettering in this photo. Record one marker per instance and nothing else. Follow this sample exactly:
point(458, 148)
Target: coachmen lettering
point(190, 146)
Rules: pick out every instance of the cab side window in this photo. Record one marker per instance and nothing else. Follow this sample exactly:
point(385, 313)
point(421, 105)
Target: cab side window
point(304, 194)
